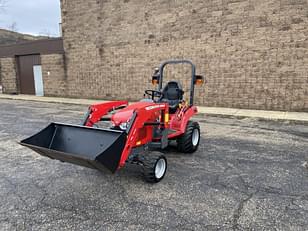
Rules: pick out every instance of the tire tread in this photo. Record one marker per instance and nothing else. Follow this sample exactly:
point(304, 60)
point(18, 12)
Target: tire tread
point(149, 160)
point(184, 143)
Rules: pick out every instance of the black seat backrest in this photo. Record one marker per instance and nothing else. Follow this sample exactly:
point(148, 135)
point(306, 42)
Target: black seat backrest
point(173, 91)
point(173, 94)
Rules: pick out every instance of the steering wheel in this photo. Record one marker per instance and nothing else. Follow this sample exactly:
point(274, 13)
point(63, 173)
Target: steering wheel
point(153, 94)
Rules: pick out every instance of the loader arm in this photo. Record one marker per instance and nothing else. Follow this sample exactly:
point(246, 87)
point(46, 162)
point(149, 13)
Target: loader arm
point(95, 147)
point(141, 118)
point(97, 111)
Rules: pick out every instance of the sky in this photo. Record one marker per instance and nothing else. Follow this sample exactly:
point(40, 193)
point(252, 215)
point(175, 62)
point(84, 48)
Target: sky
point(37, 17)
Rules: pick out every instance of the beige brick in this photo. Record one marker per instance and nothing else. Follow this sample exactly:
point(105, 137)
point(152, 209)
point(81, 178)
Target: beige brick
point(8, 75)
point(246, 49)
point(54, 77)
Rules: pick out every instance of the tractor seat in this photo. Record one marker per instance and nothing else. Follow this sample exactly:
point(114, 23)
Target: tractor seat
point(173, 95)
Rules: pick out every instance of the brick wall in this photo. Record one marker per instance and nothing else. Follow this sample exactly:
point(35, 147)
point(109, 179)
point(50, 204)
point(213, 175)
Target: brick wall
point(253, 53)
point(54, 79)
point(8, 75)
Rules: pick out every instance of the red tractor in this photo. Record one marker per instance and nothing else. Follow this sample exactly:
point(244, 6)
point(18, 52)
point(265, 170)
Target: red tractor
point(137, 133)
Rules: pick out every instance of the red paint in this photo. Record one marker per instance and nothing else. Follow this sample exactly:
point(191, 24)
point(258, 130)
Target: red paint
point(146, 112)
point(97, 111)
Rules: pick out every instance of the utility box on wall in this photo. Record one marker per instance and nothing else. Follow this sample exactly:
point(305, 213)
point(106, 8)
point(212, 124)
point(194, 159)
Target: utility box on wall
point(38, 80)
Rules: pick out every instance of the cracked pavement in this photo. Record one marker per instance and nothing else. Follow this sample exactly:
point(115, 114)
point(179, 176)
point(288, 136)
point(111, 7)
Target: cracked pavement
point(247, 175)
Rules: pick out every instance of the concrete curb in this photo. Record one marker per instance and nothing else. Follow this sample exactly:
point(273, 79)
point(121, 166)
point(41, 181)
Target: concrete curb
point(50, 99)
point(298, 117)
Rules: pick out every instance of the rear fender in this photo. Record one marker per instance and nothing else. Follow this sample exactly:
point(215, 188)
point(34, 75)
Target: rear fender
point(180, 125)
point(97, 111)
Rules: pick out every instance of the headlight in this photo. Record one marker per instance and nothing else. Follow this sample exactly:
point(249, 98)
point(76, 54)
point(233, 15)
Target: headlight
point(123, 126)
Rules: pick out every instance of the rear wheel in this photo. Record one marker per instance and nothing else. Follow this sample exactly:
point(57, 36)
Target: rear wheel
point(154, 166)
point(189, 141)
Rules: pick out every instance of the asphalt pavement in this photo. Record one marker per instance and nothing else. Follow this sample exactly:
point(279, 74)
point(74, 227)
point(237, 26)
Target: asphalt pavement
point(247, 175)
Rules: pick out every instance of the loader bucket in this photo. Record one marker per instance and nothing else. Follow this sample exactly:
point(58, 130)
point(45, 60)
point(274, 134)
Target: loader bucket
point(85, 146)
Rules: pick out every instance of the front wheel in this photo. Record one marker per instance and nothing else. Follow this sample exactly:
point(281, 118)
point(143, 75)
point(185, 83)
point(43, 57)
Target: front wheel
point(189, 141)
point(154, 166)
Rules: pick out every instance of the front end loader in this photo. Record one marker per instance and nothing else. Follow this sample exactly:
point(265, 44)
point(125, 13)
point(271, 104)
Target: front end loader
point(137, 132)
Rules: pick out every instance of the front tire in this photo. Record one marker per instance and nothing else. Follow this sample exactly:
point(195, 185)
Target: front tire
point(154, 166)
point(189, 141)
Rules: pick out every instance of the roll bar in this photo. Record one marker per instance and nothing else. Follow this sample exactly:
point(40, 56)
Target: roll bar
point(180, 61)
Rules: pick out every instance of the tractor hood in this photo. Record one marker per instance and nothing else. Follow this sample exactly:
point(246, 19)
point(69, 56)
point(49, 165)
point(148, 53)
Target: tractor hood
point(124, 115)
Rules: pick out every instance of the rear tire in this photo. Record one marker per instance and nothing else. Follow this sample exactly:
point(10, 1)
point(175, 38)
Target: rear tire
point(189, 141)
point(154, 166)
